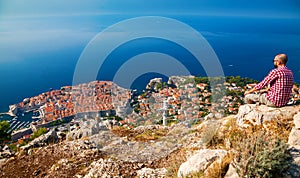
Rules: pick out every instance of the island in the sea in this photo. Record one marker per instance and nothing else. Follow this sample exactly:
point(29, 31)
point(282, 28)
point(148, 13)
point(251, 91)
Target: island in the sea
point(180, 99)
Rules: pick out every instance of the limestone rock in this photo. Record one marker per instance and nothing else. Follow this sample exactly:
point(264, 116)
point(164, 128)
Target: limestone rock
point(178, 80)
point(294, 142)
point(294, 138)
point(297, 121)
point(141, 129)
point(88, 129)
point(209, 116)
point(200, 161)
point(231, 173)
point(132, 151)
point(124, 110)
point(152, 85)
point(152, 173)
point(111, 168)
point(261, 114)
point(6, 152)
point(49, 137)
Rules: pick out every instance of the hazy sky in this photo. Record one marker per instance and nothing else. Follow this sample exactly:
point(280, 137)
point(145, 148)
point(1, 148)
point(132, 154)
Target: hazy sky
point(35, 26)
point(34, 8)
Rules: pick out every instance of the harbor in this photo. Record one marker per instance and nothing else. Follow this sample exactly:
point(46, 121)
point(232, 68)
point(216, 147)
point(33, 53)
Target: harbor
point(20, 120)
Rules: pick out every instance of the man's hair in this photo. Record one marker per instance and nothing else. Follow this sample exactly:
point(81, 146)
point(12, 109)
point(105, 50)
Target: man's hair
point(283, 58)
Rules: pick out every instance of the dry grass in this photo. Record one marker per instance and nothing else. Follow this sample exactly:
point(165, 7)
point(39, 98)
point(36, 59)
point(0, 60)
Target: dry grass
point(195, 175)
point(209, 133)
point(280, 127)
point(260, 151)
point(219, 168)
point(150, 135)
point(145, 136)
point(174, 163)
point(261, 155)
point(121, 131)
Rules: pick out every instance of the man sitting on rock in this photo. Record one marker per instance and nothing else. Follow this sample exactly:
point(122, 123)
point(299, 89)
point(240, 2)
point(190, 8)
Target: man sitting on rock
point(280, 81)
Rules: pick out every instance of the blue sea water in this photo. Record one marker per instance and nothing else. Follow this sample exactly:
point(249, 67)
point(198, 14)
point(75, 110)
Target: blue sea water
point(246, 50)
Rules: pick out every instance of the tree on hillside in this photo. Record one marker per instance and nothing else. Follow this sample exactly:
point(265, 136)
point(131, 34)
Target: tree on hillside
point(38, 133)
point(239, 81)
point(4, 135)
point(201, 80)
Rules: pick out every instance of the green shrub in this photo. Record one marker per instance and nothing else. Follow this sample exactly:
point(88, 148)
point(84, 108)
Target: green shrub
point(4, 127)
point(258, 152)
point(38, 133)
point(260, 155)
point(13, 147)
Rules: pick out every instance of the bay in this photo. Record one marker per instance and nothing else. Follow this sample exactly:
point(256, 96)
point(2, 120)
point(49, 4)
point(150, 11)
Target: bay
point(242, 51)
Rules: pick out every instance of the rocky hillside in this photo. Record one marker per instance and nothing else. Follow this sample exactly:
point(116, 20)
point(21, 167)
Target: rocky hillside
point(257, 142)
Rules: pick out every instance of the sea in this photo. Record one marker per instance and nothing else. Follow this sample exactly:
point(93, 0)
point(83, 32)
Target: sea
point(245, 52)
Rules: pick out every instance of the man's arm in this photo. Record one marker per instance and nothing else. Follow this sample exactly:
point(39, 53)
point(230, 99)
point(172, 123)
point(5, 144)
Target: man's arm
point(250, 91)
point(267, 80)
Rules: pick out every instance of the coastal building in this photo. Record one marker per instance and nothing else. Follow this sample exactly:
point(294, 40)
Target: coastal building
point(92, 99)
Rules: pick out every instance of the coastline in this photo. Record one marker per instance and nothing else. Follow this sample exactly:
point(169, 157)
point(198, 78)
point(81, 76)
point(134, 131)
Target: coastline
point(60, 107)
point(11, 114)
point(8, 113)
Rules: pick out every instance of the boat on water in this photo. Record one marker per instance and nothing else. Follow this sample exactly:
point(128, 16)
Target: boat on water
point(13, 126)
point(12, 122)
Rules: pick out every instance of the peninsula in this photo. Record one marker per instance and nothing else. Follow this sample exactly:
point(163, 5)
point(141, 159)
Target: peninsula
point(185, 98)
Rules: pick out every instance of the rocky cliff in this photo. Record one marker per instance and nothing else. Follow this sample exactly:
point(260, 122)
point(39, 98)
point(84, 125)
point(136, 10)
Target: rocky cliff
point(258, 141)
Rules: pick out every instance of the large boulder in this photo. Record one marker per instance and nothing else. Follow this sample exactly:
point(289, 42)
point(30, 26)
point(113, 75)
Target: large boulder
point(200, 161)
point(297, 121)
point(294, 137)
point(252, 114)
point(294, 143)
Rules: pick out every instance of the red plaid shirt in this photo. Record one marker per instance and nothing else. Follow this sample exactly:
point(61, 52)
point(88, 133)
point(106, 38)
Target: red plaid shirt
point(281, 82)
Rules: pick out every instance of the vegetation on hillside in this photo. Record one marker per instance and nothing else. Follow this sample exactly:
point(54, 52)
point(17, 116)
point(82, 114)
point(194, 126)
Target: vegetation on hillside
point(34, 135)
point(4, 135)
point(255, 151)
point(38, 133)
point(238, 80)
